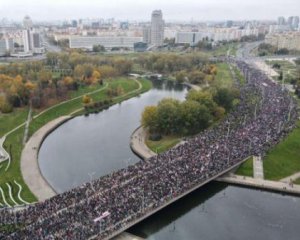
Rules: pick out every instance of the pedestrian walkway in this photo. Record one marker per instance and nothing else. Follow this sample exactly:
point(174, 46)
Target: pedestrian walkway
point(137, 144)
point(3, 154)
point(29, 161)
point(260, 183)
point(291, 178)
point(258, 169)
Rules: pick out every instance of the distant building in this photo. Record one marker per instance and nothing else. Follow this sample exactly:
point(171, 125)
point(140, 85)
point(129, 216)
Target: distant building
point(229, 23)
point(27, 40)
point(289, 40)
point(107, 42)
point(6, 46)
point(147, 34)
point(27, 22)
point(74, 23)
point(124, 25)
point(281, 21)
point(140, 47)
point(157, 28)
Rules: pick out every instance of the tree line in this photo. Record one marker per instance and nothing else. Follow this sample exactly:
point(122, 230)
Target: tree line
point(200, 110)
point(44, 82)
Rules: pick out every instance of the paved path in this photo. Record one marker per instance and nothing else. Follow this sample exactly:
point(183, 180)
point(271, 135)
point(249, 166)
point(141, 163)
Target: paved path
point(137, 144)
point(3, 154)
point(291, 178)
point(260, 183)
point(258, 169)
point(27, 126)
point(29, 161)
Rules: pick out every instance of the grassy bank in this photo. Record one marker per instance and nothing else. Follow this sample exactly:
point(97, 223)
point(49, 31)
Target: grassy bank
point(223, 77)
point(13, 143)
point(164, 144)
point(246, 168)
point(284, 159)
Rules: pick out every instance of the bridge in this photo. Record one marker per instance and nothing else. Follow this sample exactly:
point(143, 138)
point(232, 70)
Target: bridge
point(103, 208)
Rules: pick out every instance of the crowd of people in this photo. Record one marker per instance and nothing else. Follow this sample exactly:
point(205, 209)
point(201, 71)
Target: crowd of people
point(266, 114)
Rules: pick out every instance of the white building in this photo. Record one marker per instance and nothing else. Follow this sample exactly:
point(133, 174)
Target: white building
point(6, 46)
point(157, 28)
point(27, 40)
point(107, 42)
point(215, 34)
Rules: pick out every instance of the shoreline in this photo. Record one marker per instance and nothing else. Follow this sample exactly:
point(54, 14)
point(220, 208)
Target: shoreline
point(30, 167)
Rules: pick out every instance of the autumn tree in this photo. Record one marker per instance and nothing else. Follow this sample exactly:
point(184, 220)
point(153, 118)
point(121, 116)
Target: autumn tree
point(149, 118)
point(86, 100)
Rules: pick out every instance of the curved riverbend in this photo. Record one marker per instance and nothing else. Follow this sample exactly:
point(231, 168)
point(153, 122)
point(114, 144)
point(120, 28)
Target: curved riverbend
point(86, 148)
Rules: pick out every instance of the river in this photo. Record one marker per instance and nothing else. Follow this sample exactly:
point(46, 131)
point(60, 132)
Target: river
point(86, 148)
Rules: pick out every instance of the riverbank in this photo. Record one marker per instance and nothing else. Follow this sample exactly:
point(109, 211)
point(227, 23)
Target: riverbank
point(11, 171)
point(137, 143)
point(31, 173)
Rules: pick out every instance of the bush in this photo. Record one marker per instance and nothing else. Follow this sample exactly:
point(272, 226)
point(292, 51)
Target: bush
point(6, 107)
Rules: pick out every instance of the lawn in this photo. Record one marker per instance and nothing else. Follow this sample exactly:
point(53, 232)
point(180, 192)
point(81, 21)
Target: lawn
point(284, 159)
point(223, 77)
point(13, 143)
point(164, 144)
point(11, 120)
point(285, 67)
point(246, 168)
point(222, 50)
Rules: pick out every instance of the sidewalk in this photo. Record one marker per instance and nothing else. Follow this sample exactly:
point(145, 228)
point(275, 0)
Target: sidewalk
point(29, 161)
point(258, 169)
point(260, 183)
point(292, 177)
point(137, 144)
point(3, 154)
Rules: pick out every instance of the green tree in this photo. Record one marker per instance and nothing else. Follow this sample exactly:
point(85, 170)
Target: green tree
point(224, 97)
point(150, 118)
point(168, 116)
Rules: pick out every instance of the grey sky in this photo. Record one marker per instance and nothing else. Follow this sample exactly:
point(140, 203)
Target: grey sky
point(141, 9)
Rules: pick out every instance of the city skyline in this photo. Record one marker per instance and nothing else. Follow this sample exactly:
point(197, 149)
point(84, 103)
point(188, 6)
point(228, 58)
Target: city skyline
point(132, 10)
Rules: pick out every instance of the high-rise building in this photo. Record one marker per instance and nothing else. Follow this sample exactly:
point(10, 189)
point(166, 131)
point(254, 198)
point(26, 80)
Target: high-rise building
point(157, 28)
point(281, 21)
point(27, 22)
point(27, 40)
point(36, 40)
point(147, 34)
point(295, 22)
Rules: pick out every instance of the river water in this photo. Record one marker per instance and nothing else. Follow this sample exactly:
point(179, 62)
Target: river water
point(85, 148)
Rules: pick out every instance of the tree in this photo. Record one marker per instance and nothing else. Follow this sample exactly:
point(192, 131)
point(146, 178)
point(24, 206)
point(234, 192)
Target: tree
point(196, 77)
point(86, 100)
point(168, 116)
point(224, 97)
point(150, 118)
point(203, 97)
point(96, 77)
point(98, 48)
point(180, 76)
point(68, 82)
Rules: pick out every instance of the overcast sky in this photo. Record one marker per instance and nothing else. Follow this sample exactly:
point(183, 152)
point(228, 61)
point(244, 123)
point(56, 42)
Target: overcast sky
point(141, 9)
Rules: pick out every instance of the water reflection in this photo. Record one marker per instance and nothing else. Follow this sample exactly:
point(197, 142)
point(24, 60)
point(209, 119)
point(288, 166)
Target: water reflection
point(218, 211)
